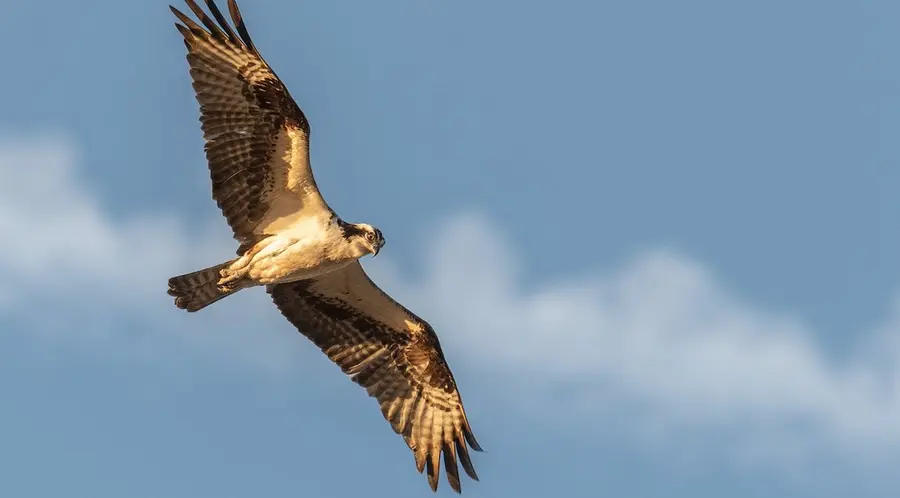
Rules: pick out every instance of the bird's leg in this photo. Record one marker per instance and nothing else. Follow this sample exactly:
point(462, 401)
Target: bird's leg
point(241, 267)
point(235, 271)
point(230, 278)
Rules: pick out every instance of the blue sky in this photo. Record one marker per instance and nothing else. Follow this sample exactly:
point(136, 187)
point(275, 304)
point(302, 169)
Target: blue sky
point(658, 241)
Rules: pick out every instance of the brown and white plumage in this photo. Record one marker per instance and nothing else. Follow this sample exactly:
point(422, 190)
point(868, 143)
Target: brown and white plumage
point(257, 147)
point(257, 137)
point(394, 355)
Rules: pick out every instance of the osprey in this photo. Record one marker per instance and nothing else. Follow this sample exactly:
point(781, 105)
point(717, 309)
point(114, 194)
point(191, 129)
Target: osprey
point(306, 256)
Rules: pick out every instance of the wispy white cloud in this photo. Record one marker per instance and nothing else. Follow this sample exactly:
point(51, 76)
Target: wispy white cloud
point(659, 337)
point(662, 336)
point(73, 269)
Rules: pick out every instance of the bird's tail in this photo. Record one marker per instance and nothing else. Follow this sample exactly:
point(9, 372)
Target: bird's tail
point(197, 290)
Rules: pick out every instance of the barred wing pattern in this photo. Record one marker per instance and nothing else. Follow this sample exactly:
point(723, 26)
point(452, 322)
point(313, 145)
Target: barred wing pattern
point(257, 138)
point(394, 355)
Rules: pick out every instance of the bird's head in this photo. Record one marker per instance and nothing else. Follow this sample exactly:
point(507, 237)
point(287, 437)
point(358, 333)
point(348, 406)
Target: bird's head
point(365, 238)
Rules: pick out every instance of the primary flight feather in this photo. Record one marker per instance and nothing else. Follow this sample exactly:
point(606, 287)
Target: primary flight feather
point(307, 257)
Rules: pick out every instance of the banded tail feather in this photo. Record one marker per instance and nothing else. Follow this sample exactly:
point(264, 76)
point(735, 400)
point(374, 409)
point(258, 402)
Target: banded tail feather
point(197, 290)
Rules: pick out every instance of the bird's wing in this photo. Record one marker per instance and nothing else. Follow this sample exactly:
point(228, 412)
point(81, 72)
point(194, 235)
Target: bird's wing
point(394, 355)
point(257, 138)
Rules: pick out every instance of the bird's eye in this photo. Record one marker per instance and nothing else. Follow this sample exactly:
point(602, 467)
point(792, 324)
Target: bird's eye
point(370, 236)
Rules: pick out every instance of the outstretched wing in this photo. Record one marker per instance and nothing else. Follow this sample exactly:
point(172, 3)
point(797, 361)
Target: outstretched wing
point(257, 138)
point(394, 355)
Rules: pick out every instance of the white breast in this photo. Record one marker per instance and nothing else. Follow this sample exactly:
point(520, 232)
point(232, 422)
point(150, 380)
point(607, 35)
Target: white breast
point(311, 228)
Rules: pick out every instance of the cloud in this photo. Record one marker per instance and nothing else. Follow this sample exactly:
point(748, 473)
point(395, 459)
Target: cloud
point(661, 336)
point(71, 269)
point(659, 341)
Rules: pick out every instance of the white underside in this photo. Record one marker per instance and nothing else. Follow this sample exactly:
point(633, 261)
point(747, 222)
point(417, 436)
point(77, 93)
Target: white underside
point(308, 248)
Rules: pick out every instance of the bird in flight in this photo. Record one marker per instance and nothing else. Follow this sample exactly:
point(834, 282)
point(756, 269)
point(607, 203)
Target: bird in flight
point(306, 256)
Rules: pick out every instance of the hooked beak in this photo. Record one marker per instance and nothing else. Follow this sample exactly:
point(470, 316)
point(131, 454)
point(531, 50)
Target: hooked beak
point(377, 248)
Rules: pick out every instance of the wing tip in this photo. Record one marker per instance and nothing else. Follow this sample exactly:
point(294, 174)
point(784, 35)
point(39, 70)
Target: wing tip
point(179, 14)
point(450, 466)
point(238, 20)
point(214, 9)
point(217, 29)
point(470, 438)
point(433, 465)
point(428, 462)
